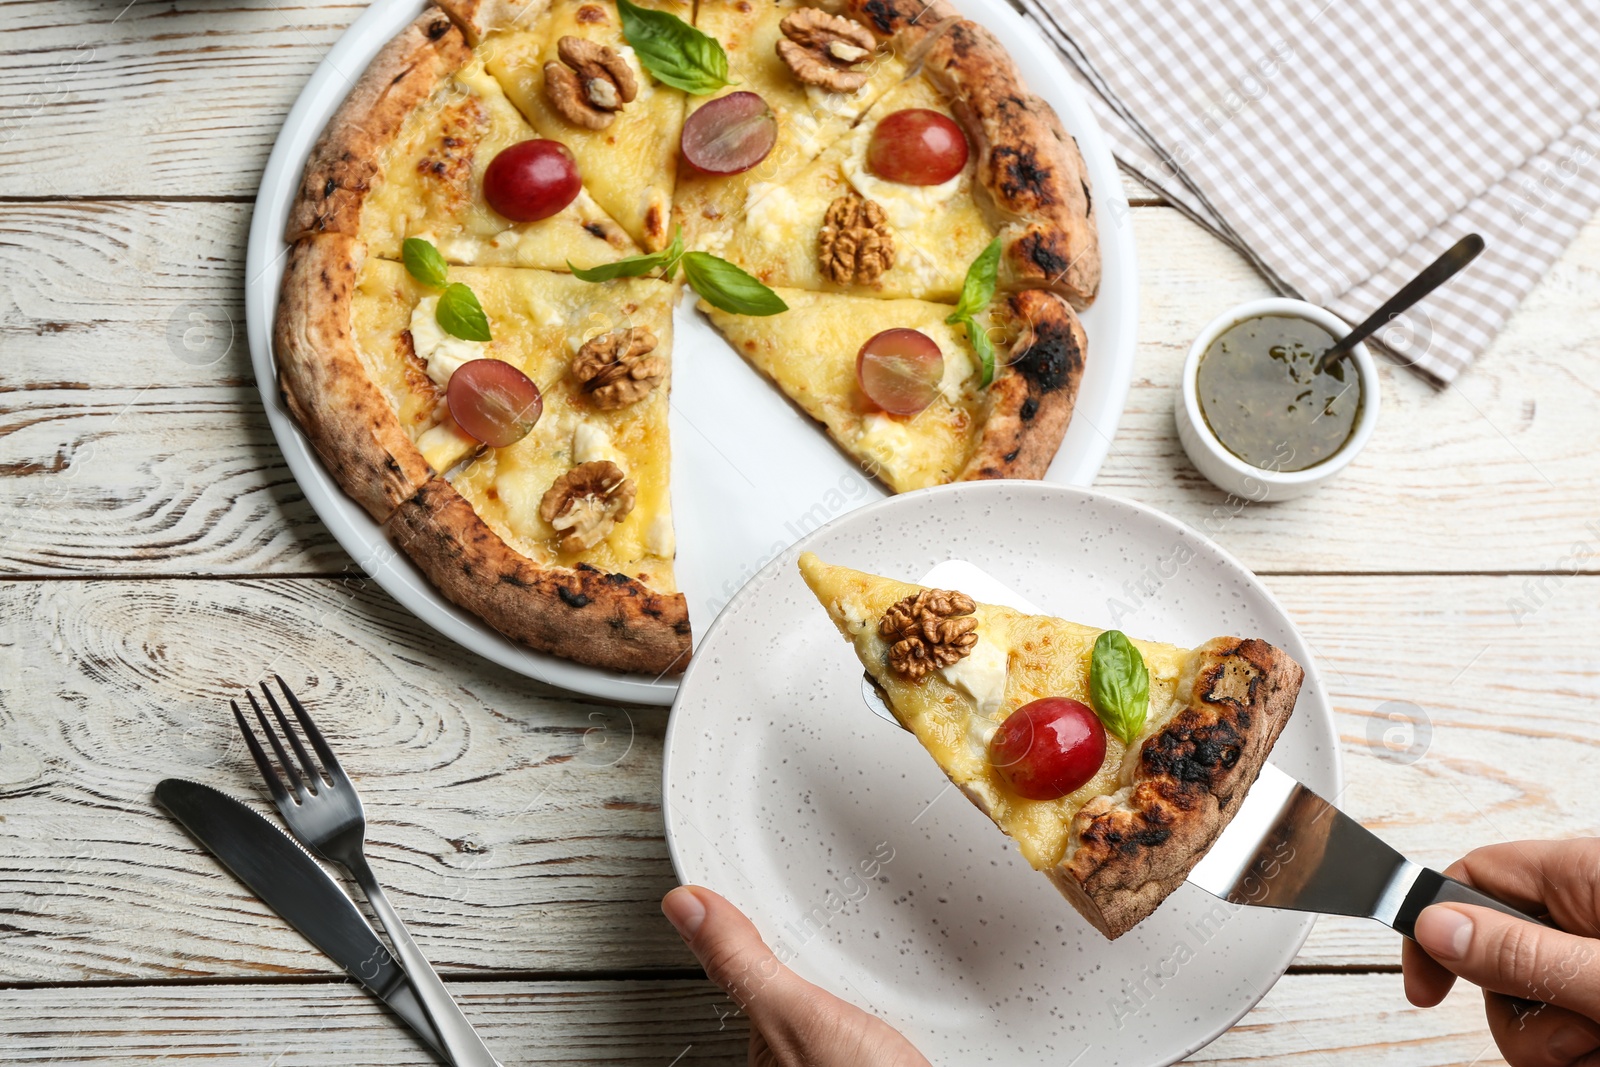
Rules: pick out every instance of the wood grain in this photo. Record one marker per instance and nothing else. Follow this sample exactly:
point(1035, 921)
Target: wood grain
point(1453, 481)
point(539, 845)
point(1310, 1020)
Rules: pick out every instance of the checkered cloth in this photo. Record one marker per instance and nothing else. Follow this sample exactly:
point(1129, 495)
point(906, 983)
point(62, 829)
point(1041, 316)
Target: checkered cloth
point(1341, 145)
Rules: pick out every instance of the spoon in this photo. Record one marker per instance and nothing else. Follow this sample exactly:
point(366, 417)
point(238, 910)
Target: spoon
point(1433, 275)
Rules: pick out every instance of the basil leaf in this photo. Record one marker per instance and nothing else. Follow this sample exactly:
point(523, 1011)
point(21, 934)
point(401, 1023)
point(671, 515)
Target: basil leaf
point(423, 262)
point(635, 266)
point(727, 287)
point(1119, 685)
point(674, 51)
point(460, 315)
point(980, 344)
point(978, 288)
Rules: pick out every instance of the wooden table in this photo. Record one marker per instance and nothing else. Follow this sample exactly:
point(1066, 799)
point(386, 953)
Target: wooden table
point(155, 553)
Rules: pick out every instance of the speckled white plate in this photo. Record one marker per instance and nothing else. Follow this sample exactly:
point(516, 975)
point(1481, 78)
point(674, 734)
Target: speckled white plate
point(784, 793)
point(750, 473)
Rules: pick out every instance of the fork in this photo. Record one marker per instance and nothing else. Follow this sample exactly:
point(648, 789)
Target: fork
point(324, 811)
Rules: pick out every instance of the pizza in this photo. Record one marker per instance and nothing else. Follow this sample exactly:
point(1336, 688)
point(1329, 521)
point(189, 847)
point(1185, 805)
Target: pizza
point(1113, 763)
point(491, 236)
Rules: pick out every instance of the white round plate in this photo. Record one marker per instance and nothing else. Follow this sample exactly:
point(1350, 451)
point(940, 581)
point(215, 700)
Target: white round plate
point(750, 473)
point(875, 879)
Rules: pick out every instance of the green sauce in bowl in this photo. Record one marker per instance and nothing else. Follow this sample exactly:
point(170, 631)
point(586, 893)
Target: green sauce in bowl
point(1264, 398)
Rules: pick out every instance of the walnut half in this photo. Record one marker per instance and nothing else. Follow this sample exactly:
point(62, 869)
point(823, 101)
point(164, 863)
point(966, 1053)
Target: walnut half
point(823, 49)
point(616, 368)
point(590, 84)
point(855, 245)
point(586, 503)
point(929, 629)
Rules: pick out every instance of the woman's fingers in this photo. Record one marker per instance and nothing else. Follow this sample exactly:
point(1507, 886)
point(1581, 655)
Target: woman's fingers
point(1427, 982)
point(1516, 957)
point(1543, 1036)
point(1558, 878)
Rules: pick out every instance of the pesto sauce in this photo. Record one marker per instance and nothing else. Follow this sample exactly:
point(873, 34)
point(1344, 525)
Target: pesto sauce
point(1262, 395)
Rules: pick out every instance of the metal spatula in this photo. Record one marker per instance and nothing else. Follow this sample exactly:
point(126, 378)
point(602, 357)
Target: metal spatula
point(1286, 847)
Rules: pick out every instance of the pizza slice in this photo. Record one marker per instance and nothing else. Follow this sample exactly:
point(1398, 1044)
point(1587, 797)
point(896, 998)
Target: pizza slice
point(1028, 175)
point(563, 539)
point(818, 72)
point(574, 76)
point(841, 225)
point(1011, 706)
point(965, 430)
point(405, 155)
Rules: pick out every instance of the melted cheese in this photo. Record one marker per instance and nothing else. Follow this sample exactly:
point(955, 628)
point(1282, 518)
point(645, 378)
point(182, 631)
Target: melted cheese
point(981, 673)
point(442, 352)
point(905, 206)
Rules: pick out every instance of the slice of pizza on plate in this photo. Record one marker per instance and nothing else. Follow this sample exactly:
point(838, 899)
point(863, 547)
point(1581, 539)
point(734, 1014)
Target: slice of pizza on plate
point(903, 391)
point(559, 534)
point(1113, 763)
point(563, 538)
point(568, 68)
point(813, 72)
point(405, 156)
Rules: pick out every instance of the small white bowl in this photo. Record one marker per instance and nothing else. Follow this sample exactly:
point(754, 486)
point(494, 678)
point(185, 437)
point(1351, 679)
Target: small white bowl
point(1227, 471)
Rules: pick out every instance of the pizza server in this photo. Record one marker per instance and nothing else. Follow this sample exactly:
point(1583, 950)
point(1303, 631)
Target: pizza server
point(1286, 847)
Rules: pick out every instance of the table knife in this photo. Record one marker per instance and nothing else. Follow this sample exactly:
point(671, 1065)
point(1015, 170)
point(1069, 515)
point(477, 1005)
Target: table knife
point(275, 868)
point(1286, 847)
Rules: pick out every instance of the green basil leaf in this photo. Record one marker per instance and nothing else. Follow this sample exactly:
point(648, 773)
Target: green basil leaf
point(980, 344)
point(635, 266)
point(460, 315)
point(423, 262)
point(978, 289)
point(725, 286)
point(674, 51)
point(1119, 685)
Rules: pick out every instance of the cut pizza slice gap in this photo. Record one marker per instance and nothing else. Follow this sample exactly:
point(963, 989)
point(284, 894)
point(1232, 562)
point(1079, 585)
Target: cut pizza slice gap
point(1126, 838)
point(627, 150)
point(405, 156)
point(1010, 428)
point(810, 115)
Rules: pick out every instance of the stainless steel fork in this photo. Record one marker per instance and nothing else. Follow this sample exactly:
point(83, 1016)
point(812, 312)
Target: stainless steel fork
point(324, 811)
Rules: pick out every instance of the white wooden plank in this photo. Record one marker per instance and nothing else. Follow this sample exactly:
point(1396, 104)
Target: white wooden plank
point(515, 843)
point(95, 294)
point(518, 832)
point(641, 1023)
point(1312, 1020)
point(159, 101)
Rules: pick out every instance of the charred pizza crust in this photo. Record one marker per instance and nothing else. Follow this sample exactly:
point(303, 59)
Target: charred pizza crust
point(1031, 400)
point(1129, 851)
point(347, 161)
point(344, 414)
point(582, 613)
point(1030, 173)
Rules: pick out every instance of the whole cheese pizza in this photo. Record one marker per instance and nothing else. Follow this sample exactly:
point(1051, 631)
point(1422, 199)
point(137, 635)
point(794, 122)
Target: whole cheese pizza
point(1113, 763)
point(493, 232)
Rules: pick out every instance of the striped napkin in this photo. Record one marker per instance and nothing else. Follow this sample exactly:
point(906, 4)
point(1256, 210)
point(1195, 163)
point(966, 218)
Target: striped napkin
point(1341, 145)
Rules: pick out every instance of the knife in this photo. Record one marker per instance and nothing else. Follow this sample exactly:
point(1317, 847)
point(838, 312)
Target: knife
point(1286, 847)
point(276, 869)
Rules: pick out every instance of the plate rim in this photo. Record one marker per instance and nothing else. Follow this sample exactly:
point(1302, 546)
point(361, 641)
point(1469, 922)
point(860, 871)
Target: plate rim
point(365, 541)
point(1292, 945)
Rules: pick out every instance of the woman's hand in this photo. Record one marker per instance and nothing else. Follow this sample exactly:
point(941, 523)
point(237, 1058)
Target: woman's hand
point(792, 1022)
point(1516, 961)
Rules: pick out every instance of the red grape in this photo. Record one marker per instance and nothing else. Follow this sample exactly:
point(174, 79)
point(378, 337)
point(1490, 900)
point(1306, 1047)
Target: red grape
point(1048, 748)
point(494, 401)
point(900, 370)
point(531, 180)
point(917, 147)
point(729, 134)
